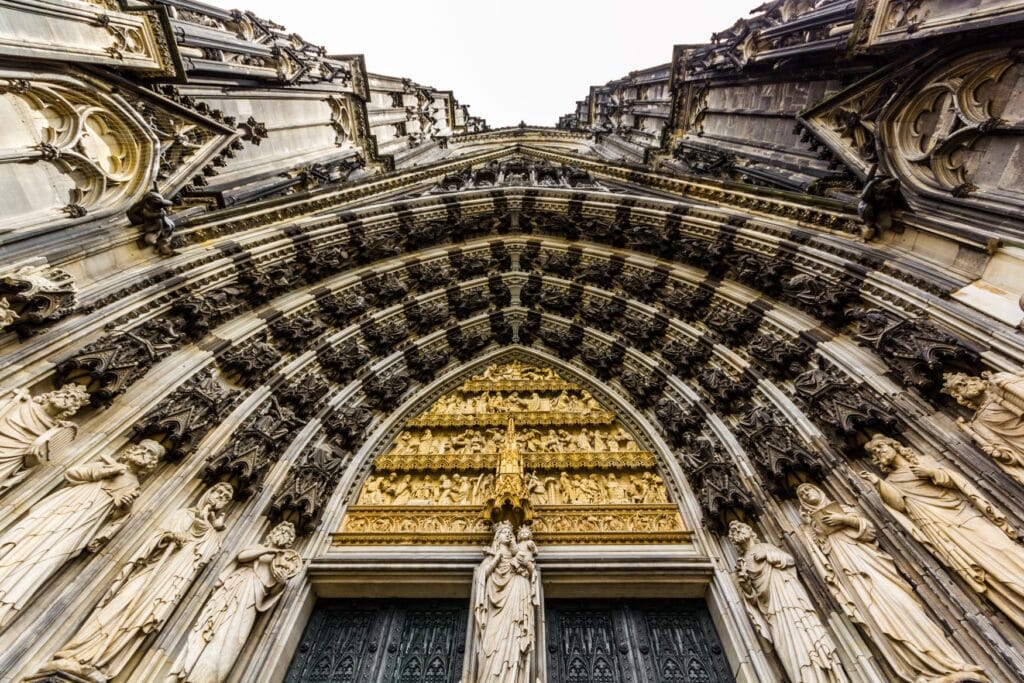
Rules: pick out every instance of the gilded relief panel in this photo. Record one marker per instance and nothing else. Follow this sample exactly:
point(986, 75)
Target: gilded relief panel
point(581, 476)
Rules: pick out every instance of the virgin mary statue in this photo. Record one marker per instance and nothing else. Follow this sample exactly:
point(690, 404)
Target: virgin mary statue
point(507, 601)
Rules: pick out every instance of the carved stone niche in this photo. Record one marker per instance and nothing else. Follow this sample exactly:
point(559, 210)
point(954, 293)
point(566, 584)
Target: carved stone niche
point(248, 363)
point(725, 392)
point(716, 481)
point(108, 366)
point(34, 295)
point(686, 357)
point(424, 363)
point(341, 363)
point(918, 351)
point(779, 357)
point(253, 449)
point(348, 426)
point(343, 308)
point(842, 407)
point(677, 421)
point(293, 334)
point(181, 420)
point(311, 481)
point(782, 459)
point(825, 300)
point(384, 391)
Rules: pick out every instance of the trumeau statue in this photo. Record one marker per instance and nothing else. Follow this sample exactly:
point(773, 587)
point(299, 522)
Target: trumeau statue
point(249, 587)
point(871, 591)
point(998, 423)
point(953, 521)
point(85, 513)
point(506, 602)
point(782, 611)
point(146, 591)
point(33, 429)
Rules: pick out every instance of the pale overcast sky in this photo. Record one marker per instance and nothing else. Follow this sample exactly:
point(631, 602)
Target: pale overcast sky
point(525, 60)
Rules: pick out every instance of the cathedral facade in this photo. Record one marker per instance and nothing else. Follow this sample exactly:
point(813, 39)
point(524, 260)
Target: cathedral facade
point(308, 374)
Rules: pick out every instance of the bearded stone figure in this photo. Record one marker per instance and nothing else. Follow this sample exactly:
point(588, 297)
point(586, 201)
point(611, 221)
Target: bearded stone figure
point(85, 513)
point(30, 428)
point(782, 611)
point(146, 591)
point(866, 583)
point(997, 400)
point(953, 521)
point(506, 604)
point(249, 587)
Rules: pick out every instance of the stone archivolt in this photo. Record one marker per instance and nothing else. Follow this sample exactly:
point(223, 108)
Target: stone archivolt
point(585, 477)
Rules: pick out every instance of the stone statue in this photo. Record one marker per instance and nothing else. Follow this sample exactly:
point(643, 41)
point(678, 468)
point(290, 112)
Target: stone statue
point(997, 400)
point(85, 513)
point(953, 521)
point(31, 427)
point(781, 610)
point(866, 583)
point(507, 600)
point(249, 587)
point(146, 591)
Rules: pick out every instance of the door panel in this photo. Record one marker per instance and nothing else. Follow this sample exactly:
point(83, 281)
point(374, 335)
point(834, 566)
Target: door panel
point(633, 641)
point(382, 641)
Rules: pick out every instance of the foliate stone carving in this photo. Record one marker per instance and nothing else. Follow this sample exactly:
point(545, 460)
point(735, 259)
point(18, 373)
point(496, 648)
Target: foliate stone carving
point(310, 483)
point(678, 422)
point(343, 308)
point(778, 453)
point(182, 419)
point(561, 300)
point(385, 289)
point(146, 591)
point(295, 333)
point(643, 284)
point(34, 295)
point(430, 276)
point(425, 317)
point(763, 273)
point(464, 344)
point(383, 392)
point(826, 300)
point(304, 393)
point(603, 312)
point(383, 336)
point(263, 283)
point(342, 362)
point(564, 340)
point(348, 426)
point(717, 483)
point(151, 214)
point(501, 329)
point(200, 312)
point(782, 611)
point(997, 426)
point(464, 303)
point(879, 198)
point(867, 585)
point(561, 263)
point(839, 404)
point(253, 449)
point(85, 513)
point(781, 358)
point(251, 586)
point(600, 272)
point(320, 262)
point(686, 358)
point(953, 520)
point(506, 609)
point(501, 295)
point(916, 350)
point(643, 331)
point(735, 326)
point(34, 429)
point(686, 302)
point(108, 366)
point(604, 359)
point(725, 391)
point(424, 363)
point(472, 264)
point(250, 361)
point(644, 387)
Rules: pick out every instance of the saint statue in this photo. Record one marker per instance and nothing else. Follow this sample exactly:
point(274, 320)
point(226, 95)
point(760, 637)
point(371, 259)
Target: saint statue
point(249, 587)
point(997, 400)
point(31, 427)
point(782, 611)
point(871, 591)
point(146, 591)
point(85, 513)
point(505, 610)
point(944, 512)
